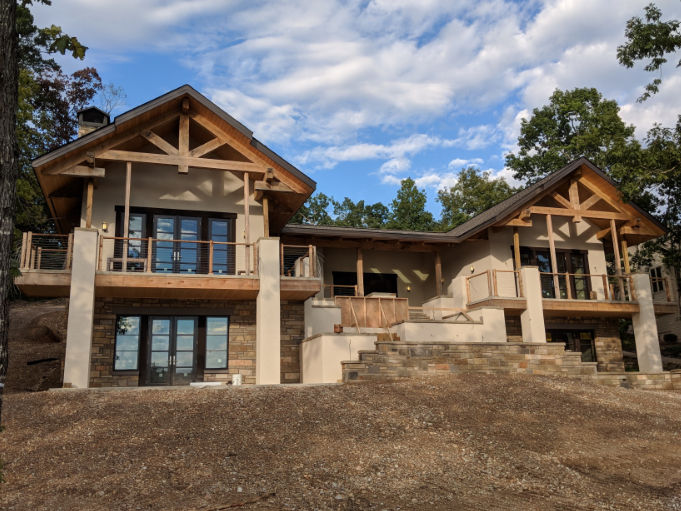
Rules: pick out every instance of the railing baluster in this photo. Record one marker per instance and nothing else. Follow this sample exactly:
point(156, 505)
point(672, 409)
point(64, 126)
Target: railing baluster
point(568, 287)
point(210, 258)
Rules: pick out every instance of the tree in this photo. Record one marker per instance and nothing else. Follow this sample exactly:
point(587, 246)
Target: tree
point(111, 96)
point(574, 124)
point(652, 39)
point(315, 211)
point(408, 210)
point(349, 214)
point(473, 193)
point(14, 53)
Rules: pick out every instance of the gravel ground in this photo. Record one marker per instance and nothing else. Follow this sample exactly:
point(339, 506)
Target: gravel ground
point(483, 442)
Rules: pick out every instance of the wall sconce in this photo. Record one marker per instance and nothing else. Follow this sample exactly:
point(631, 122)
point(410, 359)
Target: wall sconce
point(409, 289)
point(472, 269)
point(105, 227)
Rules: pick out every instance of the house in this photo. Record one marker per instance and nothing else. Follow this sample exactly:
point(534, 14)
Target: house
point(174, 250)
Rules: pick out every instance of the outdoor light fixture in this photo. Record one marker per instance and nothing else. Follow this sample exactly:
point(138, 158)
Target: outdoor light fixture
point(105, 226)
point(408, 288)
point(472, 269)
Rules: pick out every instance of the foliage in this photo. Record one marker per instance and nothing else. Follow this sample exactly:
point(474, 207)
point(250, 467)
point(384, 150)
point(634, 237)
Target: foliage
point(315, 211)
point(350, 214)
point(408, 209)
point(48, 101)
point(473, 193)
point(577, 123)
point(111, 96)
point(650, 39)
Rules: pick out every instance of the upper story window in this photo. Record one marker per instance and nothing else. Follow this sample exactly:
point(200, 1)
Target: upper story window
point(656, 279)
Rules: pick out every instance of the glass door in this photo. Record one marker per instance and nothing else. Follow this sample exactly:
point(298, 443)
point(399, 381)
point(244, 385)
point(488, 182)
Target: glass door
point(220, 230)
point(580, 285)
point(172, 350)
point(170, 254)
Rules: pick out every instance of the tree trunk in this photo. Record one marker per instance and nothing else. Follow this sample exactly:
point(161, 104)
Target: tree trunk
point(9, 170)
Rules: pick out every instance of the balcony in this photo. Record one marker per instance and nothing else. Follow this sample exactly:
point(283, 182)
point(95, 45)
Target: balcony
point(45, 264)
point(300, 272)
point(586, 294)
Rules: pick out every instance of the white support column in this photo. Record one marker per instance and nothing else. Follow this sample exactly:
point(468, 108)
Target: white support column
point(645, 326)
point(532, 319)
point(81, 309)
point(268, 314)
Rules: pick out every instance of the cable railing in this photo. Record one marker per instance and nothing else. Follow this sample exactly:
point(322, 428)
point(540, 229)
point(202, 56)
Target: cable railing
point(661, 290)
point(494, 284)
point(299, 261)
point(40, 251)
point(331, 291)
point(171, 256)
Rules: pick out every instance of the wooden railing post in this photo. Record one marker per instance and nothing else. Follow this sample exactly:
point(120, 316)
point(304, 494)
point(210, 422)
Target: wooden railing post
point(101, 252)
point(468, 289)
point(255, 258)
point(40, 257)
point(24, 246)
point(489, 283)
point(605, 288)
point(495, 283)
point(69, 251)
point(568, 287)
point(150, 257)
point(632, 289)
point(520, 285)
point(282, 259)
point(210, 258)
point(31, 251)
point(666, 288)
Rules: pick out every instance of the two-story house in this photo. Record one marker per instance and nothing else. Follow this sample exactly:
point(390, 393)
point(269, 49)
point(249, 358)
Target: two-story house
point(174, 251)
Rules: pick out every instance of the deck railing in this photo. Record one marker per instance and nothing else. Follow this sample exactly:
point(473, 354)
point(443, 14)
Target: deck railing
point(661, 290)
point(40, 251)
point(299, 261)
point(494, 284)
point(168, 256)
point(331, 291)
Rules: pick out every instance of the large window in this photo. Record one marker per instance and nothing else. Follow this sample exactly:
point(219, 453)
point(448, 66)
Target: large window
point(217, 339)
point(656, 279)
point(127, 343)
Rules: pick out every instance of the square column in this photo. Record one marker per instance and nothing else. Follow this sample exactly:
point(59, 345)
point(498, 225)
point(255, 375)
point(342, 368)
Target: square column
point(645, 326)
point(532, 318)
point(268, 314)
point(81, 309)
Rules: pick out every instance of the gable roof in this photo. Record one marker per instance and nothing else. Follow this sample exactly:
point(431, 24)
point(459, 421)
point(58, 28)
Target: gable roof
point(478, 223)
point(180, 92)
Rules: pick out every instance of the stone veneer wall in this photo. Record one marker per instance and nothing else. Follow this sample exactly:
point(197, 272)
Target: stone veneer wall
point(292, 333)
point(241, 338)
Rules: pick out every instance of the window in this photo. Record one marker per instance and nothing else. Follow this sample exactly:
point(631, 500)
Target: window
point(217, 330)
point(656, 279)
point(127, 343)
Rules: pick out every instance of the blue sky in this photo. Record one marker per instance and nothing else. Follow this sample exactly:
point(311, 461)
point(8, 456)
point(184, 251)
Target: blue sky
point(361, 94)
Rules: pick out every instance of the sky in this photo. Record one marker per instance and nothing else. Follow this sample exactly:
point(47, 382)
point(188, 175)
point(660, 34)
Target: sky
point(360, 94)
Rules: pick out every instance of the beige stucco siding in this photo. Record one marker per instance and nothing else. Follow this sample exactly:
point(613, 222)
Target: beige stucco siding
point(157, 186)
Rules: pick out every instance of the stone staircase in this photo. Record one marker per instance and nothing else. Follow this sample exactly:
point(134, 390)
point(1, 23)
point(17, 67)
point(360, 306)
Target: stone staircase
point(397, 358)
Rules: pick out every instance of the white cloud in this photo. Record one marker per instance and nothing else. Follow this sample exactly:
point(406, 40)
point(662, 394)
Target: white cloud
point(459, 163)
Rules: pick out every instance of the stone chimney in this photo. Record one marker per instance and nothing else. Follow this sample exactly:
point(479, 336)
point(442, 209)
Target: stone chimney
point(90, 119)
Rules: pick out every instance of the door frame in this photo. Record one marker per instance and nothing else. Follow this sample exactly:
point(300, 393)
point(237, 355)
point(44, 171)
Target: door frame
point(172, 350)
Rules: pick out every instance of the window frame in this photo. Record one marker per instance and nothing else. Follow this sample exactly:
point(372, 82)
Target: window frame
point(656, 273)
point(139, 344)
point(204, 350)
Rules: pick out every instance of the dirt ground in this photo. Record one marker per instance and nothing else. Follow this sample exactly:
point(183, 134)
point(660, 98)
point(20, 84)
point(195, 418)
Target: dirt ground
point(464, 442)
point(36, 345)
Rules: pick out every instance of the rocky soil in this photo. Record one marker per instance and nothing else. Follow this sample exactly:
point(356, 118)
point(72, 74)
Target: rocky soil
point(464, 442)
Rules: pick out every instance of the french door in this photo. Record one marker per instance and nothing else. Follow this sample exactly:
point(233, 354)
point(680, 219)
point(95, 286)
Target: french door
point(174, 251)
point(172, 350)
point(574, 263)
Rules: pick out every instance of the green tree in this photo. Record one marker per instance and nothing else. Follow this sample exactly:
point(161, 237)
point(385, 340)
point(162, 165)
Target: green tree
point(473, 193)
point(574, 124)
point(315, 211)
point(408, 209)
point(650, 39)
point(351, 214)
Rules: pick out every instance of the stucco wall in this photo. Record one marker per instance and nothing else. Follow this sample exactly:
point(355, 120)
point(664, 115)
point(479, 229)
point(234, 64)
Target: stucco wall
point(413, 269)
point(158, 186)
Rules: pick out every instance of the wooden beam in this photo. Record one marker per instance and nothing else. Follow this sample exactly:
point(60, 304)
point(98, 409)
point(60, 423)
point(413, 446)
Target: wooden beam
point(360, 273)
point(266, 217)
point(603, 233)
point(84, 171)
point(554, 260)
point(269, 175)
point(561, 200)
point(517, 222)
point(185, 105)
point(164, 159)
point(183, 146)
point(591, 201)
point(516, 247)
point(438, 274)
point(88, 205)
point(261, 187)
point(625, 255)
point(160, 143)
point(574, 199)
point(594, 189)
point(126, 214)
point(602, 215)
point(75, 159)
point(615, 247)
point(206, 148)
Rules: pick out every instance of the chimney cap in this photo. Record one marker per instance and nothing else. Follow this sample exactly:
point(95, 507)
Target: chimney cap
point(93, 116)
